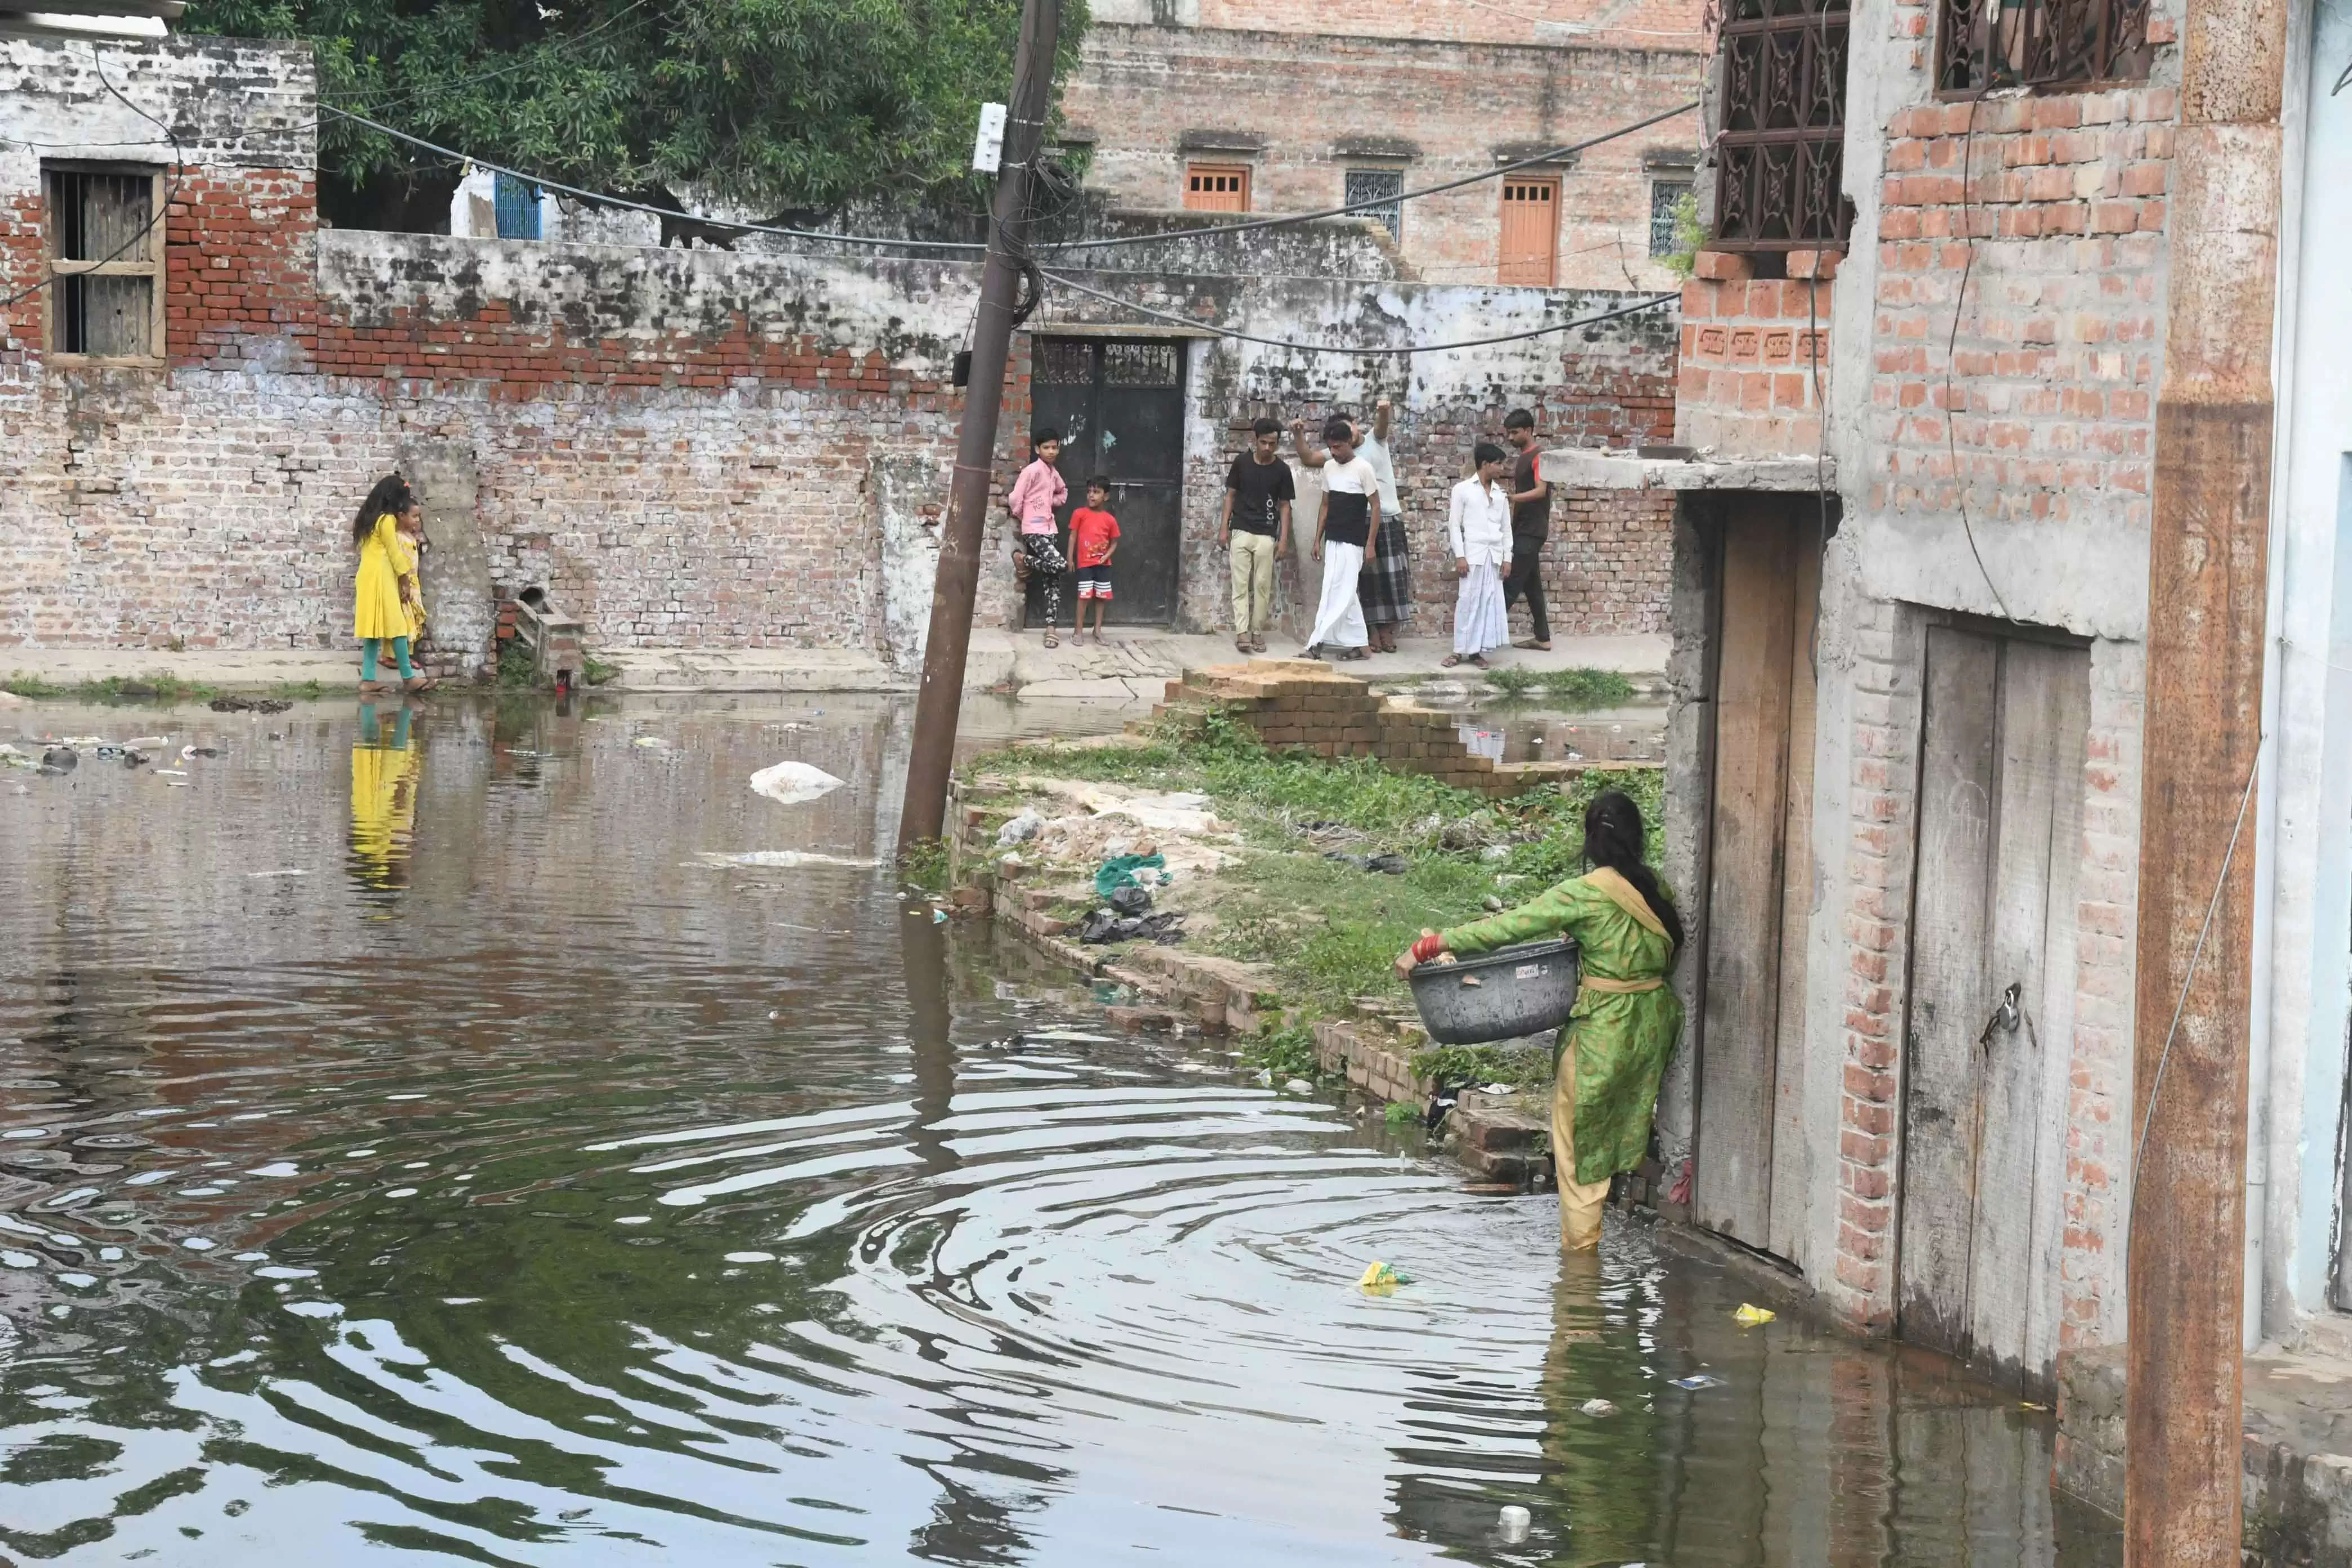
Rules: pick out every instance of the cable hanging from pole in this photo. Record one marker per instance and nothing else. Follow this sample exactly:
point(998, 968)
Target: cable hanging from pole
point(881, 242)
point(1652, 303)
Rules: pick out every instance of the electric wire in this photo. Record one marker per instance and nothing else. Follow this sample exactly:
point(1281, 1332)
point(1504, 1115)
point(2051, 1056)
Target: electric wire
point(1951, 340)
point(171, 193)
point(2164, 1058)
point(1652, 303)
point(877, 241)
point(1500, 171)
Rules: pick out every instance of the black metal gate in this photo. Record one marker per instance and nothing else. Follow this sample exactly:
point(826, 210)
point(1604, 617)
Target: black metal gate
point(1119, 404)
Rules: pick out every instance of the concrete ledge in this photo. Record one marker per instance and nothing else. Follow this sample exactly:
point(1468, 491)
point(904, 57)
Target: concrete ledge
point(2296, 1460)
point(72, 666)
point(750, 669)
point(1586, 469)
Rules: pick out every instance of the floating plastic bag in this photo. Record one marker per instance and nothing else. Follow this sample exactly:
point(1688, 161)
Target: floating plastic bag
point(1751, 1316)
point(791, 783)
point(1380, 1280)
point(1597, 1407)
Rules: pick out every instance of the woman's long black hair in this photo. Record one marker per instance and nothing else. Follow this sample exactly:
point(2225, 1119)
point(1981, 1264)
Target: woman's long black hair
point(392, 495)
point(1613, 836)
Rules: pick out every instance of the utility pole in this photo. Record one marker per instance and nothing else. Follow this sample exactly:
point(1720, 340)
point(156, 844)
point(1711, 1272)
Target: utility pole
point(924, 809)
point(2207, 551)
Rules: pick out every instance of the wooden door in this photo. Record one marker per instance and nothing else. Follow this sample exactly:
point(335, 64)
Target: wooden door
point(1217, 188)
point(1119, 404)
point(1751, 1173)
point(1991, 1013)
point(1530, 244)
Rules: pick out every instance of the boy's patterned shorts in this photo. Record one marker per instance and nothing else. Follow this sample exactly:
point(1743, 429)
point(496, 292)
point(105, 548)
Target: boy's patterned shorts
point(1094, 582)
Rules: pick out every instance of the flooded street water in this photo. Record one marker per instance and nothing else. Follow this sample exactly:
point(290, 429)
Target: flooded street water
point(420, 1140)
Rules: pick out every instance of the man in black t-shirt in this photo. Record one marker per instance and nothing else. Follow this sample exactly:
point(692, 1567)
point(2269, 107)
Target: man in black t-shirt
point(1256, 531)
point(1531, 525)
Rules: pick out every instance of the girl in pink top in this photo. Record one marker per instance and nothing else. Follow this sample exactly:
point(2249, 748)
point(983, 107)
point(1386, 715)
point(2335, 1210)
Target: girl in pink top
point(1031, 501)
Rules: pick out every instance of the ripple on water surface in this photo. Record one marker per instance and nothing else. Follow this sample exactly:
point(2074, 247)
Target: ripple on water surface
point(524, 1187)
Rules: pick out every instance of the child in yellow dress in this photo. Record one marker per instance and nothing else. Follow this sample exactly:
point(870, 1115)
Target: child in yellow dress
point(379, 613)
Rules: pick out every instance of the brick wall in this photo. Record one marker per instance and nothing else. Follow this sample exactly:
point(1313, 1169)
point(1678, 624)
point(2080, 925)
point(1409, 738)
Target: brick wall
point(684, 447)
point(1755, 371)
point(1314, 106)
point(1538, 21)
point(2045, 404)
point(1872, 912)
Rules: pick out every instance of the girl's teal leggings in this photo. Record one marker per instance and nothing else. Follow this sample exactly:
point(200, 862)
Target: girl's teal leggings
point(399, 653)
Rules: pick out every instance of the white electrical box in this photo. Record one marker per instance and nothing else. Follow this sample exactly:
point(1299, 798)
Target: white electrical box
point(988, 148)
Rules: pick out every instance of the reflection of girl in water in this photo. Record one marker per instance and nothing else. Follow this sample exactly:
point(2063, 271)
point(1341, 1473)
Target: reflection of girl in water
point(383, 800)
point(379, 613)
point(1614, 1048)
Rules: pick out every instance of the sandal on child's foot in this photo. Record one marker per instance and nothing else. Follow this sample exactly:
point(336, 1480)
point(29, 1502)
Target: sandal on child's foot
point(1479, 660)
point(1449, 661)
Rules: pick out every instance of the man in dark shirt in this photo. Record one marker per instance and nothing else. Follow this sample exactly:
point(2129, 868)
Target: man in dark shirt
point(1256, 531)
point(1530, 526)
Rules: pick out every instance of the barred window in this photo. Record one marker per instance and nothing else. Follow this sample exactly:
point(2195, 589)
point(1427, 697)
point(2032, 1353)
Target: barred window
point(1379, 185)
point(1665, 199)
point(1779, 156)
point(106, 258)
point(1985, 44)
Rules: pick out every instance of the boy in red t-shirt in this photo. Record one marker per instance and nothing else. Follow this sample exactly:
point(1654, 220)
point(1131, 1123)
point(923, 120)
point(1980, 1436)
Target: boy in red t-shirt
point(1094, 538)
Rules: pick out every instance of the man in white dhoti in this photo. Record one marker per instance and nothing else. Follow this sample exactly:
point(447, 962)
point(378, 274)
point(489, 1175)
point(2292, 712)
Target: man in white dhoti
point(1478, 526)
point(1351, 515)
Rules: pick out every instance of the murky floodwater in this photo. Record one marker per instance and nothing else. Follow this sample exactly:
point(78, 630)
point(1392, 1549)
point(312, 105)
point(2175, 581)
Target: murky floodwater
point(420, 1141)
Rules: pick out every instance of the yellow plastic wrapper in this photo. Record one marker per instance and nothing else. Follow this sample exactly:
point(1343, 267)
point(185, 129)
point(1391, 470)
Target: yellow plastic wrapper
point(1381, 1279)
point(1751, 1316)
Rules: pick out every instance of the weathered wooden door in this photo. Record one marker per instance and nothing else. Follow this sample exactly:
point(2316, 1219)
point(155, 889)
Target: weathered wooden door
point(1749, 1178)
point(1529, 248)
point(1119, 404)
point(1991, 1009)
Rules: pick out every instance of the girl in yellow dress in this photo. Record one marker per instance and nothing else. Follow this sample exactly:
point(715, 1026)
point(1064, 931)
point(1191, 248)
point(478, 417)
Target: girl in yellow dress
point(380, 613)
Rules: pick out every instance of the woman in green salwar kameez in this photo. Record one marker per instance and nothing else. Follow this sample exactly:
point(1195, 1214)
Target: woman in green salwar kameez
point(1614, 1049)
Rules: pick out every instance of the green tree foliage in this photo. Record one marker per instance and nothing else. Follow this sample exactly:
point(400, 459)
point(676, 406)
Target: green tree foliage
point(787, 106)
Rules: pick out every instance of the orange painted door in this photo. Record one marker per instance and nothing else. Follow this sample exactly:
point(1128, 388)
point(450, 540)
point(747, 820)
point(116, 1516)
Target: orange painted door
point(1217, 188)
point(1531, 248)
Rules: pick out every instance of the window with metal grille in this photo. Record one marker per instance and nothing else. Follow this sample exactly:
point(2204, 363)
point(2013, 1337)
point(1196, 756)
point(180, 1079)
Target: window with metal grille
point(1530, 240)
point(516, 202)
point(1383, 185)
point(1666, 200)
point(1217, 188)
point(1984, 44)
point(1779, 155)
point(106, 255)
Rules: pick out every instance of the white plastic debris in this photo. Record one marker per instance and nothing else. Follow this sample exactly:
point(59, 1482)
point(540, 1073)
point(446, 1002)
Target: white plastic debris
point(1020, 829)
point(1598, 1407)
point(1514, 1523)
point(791, 783)
point(1298, 1085)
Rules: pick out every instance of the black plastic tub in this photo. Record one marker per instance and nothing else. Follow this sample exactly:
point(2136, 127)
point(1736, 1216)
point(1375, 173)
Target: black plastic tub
point(1498, 995)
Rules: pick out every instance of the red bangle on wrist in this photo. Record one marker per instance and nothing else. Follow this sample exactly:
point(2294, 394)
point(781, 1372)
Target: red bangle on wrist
point(1428, 947)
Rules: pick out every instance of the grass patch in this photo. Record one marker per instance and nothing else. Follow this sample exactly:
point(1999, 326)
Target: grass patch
point(1586, 688)
point(925, 865)
point(1519, 1066)
point(1327, 930)
point(158, 686)
point(1285, 1052)
point(596, 671)
point(517, 668)
point(1399, 1116)
point(1578, 688)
